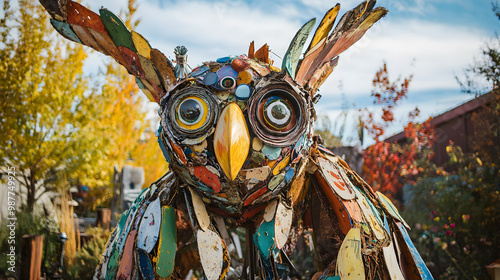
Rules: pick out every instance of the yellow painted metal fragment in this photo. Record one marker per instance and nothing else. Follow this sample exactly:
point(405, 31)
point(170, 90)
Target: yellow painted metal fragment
point(141, 44)
point(231, 140)
point(350, 262)
point(281, 165)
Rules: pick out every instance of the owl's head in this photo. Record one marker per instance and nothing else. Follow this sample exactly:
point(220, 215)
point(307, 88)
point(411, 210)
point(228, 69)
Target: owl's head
point(237, 128)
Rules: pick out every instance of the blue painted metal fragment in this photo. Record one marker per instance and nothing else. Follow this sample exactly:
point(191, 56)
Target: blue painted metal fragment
point(223, 59)
point(242, 92)
point(65, 29)
point(145, 265)
point(199, 71)
point(289, 174)
point(272, 153)
point(422, 268)
point(211, 79)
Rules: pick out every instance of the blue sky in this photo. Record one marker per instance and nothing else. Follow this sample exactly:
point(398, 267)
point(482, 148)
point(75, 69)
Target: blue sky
point(433, 40)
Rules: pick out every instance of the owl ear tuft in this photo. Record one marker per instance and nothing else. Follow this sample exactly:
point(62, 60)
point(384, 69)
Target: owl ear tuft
point(251, 50)
point(322, 54)
point(262, 54)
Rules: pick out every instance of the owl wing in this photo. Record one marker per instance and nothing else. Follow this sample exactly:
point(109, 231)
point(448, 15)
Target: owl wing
point(106, 33)
point(322, 54)
point(365, 228)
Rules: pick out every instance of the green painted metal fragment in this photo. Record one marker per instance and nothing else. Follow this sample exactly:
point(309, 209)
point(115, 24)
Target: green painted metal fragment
point(168, 243)
point(294, 51)
point(117, 30)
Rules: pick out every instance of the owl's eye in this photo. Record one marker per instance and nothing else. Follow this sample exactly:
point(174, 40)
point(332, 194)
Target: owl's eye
point(277, 115)
point(277, 112)
point(190, 113)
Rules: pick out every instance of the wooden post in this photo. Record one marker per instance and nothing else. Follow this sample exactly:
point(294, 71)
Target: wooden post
point(31, 257)
point(103, 218)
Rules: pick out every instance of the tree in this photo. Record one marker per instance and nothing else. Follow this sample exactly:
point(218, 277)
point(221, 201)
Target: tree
point(41, 115)
point(480, 78)
point(388, 166)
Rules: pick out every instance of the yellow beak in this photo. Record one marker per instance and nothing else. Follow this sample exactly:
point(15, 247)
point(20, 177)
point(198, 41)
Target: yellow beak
point(231, 140)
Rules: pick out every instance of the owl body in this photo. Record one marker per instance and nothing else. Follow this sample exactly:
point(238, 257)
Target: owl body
point(237, 133)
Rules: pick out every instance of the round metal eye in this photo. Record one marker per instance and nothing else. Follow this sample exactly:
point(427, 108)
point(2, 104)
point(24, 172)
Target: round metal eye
point(277, 113)
point(227, 83)
point(190, 111)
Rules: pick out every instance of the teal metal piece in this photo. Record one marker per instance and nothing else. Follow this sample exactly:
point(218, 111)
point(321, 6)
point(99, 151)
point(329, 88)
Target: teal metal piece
point(117, 30)
point(292, 55)
point(272, 153)
point(64, 29)
point(264, 238)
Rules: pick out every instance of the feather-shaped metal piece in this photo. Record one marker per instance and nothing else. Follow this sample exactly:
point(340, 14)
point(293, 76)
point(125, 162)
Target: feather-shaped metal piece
point(292, 55)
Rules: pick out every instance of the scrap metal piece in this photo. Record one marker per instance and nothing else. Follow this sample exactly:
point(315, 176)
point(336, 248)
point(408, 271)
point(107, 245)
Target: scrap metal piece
point(391, 209)
point(336, 182)
point(181, 69)
point(211, 249)
point(145, 266)
point(107, 43)
point(272, 153)
point(282, 223)
point(165, 69)
point(259, 173)
point(141, 44)
point(56, 8)
point(264, 238)
point(125, 269)
point(292, 55)
point(200, 210)
point(117, 30)
point(79, 15)
point(65, 30)
point(350, 261)
point(168, 243)
point(375, 227)
point(150, 226)
point(391, 262)
point(270, 211)
point(424, 272)
point(281, 165)
point(86, 37)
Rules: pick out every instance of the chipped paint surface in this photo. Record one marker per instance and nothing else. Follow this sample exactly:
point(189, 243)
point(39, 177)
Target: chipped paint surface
point(334, 179)
point(281, 165)
point(210, 247)
point(390, 208)
point(167, 244)
point(264, 238)
point(145, 266)
point(207, 177)
point(270, 210)
point(150, 226)
point(422, 268)
point(349, 261)
point(259, 173)
point(375, 227)
point(125, 269)
point(117, 30)
point(391, 262)
point(283, 223)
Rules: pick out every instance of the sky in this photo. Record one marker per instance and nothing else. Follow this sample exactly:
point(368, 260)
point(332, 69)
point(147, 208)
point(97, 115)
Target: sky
point(434, 40)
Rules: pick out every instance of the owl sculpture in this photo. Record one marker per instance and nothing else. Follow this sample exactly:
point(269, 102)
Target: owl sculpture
point(237, 133)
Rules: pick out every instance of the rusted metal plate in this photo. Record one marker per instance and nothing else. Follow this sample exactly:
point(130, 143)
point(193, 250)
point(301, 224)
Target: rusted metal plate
point(132, 60)
point(282, 223)
point(141, 44)
point(262, 54)
point(334, 179)
point(390, 208)
point(125, 269)
point(65, 30)
point(298, 186)
point(168, 243)
point(145, 266)
point(149, 70)
point(270, 210)
point(261, 70)
point(117, 30)
point(281, 165)
point(79, 15)
point(179, 152)
point(292, 55)
point(150, 226)
point(106, 43)
point(239, 65)
point(211, 250)
point(84, 34)
point(200, 210)
point(375, 227)
point(307, 61)
point(164, 67)
point(350, 262)
point(208, 178)
point(319, 76)
point(264, 238)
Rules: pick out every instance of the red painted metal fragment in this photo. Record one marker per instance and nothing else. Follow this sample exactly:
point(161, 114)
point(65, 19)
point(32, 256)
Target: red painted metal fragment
point(79, 15)
point(254, 196)
point(208, 178)
point(133, 62)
